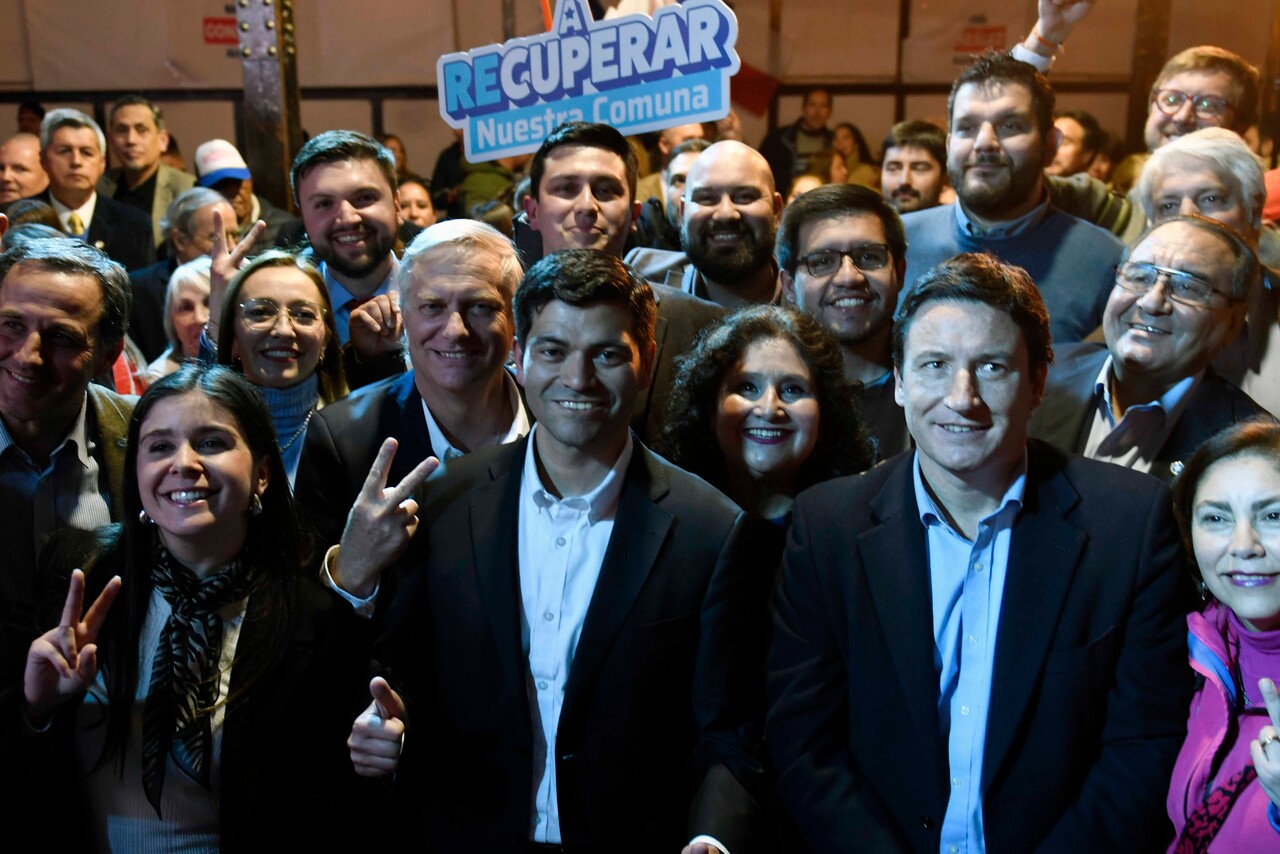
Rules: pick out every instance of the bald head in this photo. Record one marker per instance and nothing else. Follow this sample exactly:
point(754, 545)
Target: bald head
point(732, 159)
point(21, 174)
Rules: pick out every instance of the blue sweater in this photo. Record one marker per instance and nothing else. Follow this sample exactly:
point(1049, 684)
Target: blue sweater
point(1071, 261)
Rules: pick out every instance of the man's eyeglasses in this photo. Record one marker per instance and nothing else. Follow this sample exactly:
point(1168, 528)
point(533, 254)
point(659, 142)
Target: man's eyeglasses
point(262, 314)
point(1179, 286)
point(826, 262)
point(1169, 101)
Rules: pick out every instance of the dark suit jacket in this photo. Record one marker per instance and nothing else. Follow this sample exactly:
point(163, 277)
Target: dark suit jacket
point(146, 311)
point(1090, 685)
point(1064, 418)
point(272, 787)
point(656, 737)
point(680, 318)
point(342, 441)
point(123, 232)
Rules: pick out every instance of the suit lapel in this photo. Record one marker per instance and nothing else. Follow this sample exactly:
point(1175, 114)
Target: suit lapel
point(659, 336)
point(894, 556)
point(639, 530)
point(494, 509)
point(415, 442)
point(1064, 417)
point(1043, 556)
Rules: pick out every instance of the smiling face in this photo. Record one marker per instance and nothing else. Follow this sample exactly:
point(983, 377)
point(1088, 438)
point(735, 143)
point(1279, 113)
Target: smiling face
point(995, 151)
point(1162, 340)
point(351, 216)
point(583, 201)
point(581, 368)
point(21, 174)
point(730, 213)
point(1161, 128)
point(49, 344)
point(767, 420)
point(1235, 534)
point(457, 316)
point(854, 305)
point(911, 178)
point(284, 353)
point(196, 475)
point(968, 391)
point(415, 203)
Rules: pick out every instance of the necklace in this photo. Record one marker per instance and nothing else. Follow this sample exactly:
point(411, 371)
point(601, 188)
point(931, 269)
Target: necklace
point(301, 430)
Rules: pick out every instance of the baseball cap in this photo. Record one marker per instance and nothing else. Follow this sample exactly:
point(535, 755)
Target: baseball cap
point(217, 160)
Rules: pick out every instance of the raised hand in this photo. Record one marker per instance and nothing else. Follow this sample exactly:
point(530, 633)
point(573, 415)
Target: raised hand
point(1059, 17)
point(1265, 749)
point(226, 263)
point(376, 327)
point(701, 848)
point(63, 662)
point(380, 524)
point(377, 735)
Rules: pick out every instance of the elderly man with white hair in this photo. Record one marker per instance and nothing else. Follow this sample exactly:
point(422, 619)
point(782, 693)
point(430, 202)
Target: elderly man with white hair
point(1213, 173)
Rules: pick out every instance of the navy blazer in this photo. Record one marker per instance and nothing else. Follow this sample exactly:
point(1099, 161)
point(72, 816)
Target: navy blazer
point(657, 736)
point(1090, 686)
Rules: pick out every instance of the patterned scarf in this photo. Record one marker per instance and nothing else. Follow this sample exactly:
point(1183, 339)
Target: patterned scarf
point(184, 676)
point(1204, 823)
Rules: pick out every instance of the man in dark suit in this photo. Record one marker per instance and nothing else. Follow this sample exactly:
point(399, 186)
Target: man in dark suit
point(455, 283)
point(583, 196)
point(73, 153)
point(1149, 397)
point(977, 645)
point(579, 638)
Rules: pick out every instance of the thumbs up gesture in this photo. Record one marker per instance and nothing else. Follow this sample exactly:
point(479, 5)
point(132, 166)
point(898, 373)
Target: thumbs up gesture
point(378, 734)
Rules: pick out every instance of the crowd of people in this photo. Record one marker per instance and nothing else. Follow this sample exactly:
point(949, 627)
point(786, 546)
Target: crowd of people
point(766, 499)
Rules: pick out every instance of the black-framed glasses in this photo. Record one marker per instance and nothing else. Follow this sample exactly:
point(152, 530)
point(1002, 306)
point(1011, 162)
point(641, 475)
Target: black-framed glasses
point(262, 314)
point(1185, 288)
point(1169, 101)
point(866, 258)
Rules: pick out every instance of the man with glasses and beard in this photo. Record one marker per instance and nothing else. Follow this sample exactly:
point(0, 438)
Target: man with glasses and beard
point(1001, 138)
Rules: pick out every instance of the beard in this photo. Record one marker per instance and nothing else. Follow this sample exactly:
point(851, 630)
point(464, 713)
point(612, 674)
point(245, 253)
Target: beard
point(380, 245)
point(727, 265)
point(999, 193)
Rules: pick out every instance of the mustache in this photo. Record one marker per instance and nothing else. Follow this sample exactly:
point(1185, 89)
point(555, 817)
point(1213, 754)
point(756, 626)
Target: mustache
point(905, 192)
point(988, 159)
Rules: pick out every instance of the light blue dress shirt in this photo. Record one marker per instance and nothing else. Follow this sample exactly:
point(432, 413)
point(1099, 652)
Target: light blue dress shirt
point(967, 582)
point(340, 296)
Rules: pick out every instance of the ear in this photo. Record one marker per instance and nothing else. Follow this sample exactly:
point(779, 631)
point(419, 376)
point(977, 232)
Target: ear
point(788, 283)
point(4, 225)
point(778, 202)
point(1037, 386)
point(180, 241)
point(899, 394)
point(635, 216)
point(163, 138)
point(517, 353)
point(531, 211)
point(395, 200)
point(261, 477)
point(107, 357)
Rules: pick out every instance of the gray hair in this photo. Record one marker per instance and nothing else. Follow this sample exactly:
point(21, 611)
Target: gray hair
point(1220, 151)
point(194, 273)
point(77, 258)
point(181, 213)
point(462, 236)
point(65, 117)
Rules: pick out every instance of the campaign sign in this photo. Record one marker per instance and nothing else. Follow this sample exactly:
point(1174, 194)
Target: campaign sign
point(636, 73)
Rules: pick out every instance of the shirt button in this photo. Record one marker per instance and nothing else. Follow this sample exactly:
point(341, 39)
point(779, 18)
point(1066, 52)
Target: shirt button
point(537, 819)
point(955, 781)
point(964, 710)
point(973, 640)
point(548, 616)
point(559, 541)
point(954, 849)
point(977, 566)
point(542, 686)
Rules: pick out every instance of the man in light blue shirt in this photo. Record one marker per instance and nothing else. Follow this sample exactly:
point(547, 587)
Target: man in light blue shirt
point(978, 644)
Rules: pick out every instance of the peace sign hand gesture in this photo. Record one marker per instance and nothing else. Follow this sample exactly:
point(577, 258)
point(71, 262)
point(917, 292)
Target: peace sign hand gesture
point(1264, 749)
point(380, 524)
point(226, 263)
point(63, 662)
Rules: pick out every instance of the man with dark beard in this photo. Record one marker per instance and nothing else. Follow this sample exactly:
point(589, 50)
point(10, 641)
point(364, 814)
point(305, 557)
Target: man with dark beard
point(729, 219)
point(1001, 138)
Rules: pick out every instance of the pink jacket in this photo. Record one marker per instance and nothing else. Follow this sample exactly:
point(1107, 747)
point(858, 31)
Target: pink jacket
point(1253, 824)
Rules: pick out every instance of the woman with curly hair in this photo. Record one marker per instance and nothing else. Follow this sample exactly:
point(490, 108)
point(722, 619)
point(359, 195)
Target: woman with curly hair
point(761, 409)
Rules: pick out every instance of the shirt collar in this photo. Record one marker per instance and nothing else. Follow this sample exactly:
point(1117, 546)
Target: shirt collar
point(78, 437)
point(1171, 403)
point(602, 502)
point(85, 211)
point(445, 450)
point(339, 296)
point(931, 514)
point(1008, 228)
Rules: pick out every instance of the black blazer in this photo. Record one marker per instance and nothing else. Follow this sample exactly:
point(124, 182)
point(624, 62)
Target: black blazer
point(146, 311)
point(656, 739)
point(1090, 686)
point(121, 231)
point(1064, 418)
point(342, 442)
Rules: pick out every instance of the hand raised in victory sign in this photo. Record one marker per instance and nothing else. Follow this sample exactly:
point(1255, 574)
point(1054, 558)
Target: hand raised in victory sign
point(377, 735)
point(380, 524)
point(63, 662)
point(226, 263)
point(1265, 749)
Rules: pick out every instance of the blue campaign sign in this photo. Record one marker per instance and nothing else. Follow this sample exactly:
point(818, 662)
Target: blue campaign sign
point(636, 73)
